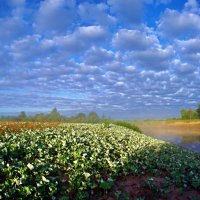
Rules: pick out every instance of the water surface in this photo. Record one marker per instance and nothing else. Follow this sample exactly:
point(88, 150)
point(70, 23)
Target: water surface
point(185, 134)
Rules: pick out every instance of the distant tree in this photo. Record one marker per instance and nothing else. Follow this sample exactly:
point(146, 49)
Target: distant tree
point(93, 117)
point(54, 115)
point(103, 117)
point(195, 115)
point(188, 114)
point(81, 117)
point(198, 111)
point(22, 116)
point(184, 114)
point(40, 117)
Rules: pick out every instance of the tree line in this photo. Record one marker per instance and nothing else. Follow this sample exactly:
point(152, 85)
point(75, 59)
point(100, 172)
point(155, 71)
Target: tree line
point(190, 114)
point(55, 116)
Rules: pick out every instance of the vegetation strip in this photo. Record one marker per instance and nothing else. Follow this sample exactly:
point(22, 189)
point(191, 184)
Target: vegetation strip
point(85, 161)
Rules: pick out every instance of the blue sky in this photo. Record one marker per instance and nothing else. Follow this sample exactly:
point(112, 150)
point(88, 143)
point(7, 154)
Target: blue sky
point(127, 59)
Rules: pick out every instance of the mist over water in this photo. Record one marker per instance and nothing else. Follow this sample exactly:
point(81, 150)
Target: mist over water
point(185, 134)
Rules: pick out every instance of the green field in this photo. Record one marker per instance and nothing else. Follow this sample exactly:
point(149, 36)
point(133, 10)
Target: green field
point(94, 161)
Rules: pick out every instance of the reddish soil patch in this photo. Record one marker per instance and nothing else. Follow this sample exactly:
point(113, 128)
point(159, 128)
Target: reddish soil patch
point(132, 187)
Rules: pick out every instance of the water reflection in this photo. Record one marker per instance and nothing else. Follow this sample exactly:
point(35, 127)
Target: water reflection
point(186, 135)
point(189, 142)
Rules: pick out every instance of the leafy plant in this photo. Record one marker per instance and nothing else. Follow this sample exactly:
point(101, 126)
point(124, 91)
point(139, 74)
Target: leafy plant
point(69, 162)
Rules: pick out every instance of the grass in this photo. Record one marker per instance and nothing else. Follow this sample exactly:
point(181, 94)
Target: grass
point(128, 125)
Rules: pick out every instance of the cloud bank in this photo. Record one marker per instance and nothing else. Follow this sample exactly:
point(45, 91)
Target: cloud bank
point(107, 57)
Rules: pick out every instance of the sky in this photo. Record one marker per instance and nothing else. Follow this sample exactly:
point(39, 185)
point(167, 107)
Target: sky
point(127, 59)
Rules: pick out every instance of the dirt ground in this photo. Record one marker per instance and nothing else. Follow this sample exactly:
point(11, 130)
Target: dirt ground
point(132, 188)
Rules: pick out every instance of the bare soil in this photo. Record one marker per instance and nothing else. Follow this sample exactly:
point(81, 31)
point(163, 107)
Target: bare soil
point(132, 187)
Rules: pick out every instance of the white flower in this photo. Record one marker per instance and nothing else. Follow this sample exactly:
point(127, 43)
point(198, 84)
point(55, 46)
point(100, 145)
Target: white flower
point(44, 179)
point(30, 166)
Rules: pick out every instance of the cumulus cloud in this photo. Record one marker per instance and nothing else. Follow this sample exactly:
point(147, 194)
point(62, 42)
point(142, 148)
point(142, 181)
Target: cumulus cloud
point(192, 6)
point(35, 46)
point(98, 56)
point(156, 59)
point(96, 14)
point(130, 11)
point(88, 69)
point(126, 39)
point(183, 67)
point(189, 53)
point(177, 24)
point(186, 23)
point(17, 7)
point(189, 46)
point(12, 28)
point(55, 15)
point(81, 39)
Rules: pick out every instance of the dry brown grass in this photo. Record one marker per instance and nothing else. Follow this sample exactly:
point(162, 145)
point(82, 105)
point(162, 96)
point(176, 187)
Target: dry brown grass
point(15, 127)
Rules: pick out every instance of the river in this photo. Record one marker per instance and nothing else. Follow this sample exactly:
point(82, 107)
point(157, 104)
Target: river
point(181, 133)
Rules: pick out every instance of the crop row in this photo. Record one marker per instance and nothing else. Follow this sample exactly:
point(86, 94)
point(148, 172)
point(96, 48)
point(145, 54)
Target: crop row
point(82, 161)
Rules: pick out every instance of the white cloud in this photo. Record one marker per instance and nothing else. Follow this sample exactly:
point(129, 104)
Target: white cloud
point(91, 32)
point(97, 56)
point(183, 67)
point(130, 11)
point(126, 39)
point(88, 69)
point(192, 6)
point(156, 59)
point(132, 66)
point(130, 69)
point(189, 52)
point(17, 6)
point(115, 65)
point(83, 38)
point(175, 24)
point(55, 15)
point(30, 48)
point(189, 46)
point(12, 28)
point(95, 14)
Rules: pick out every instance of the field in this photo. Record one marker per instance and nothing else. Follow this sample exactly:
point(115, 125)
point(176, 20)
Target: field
point(94, 161)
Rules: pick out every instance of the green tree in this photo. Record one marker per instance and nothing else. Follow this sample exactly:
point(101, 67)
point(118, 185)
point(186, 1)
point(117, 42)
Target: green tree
point(198, 111)
point(184, 114)
point(54, 115)
point(40, 117)
point(22, 116)
point(189, 114)
point(81, 117)
point(93, 117)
